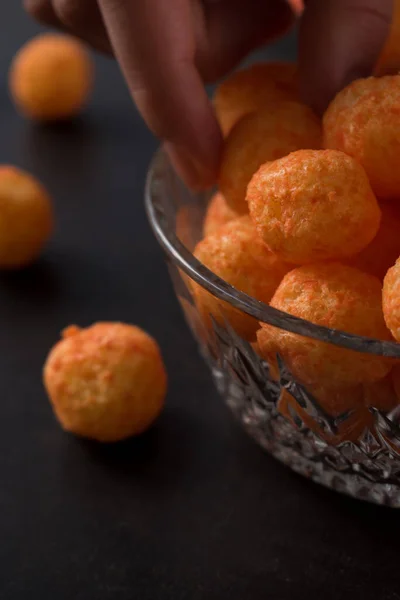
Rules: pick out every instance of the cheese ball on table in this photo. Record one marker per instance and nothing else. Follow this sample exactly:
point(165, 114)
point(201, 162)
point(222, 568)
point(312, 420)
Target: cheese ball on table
point(335, 402)
point(260, 137)
point(106, 382)
point(51, 77)
point(391, 300)
point(337, 297)
point(250, 89)
point(218, 214)
point(236, 254)
point(383, 251)
point(363, 121)
point(26, 218)
point(313, 205)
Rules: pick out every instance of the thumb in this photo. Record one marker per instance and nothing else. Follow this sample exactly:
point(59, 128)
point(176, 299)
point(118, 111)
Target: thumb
point(340, 40)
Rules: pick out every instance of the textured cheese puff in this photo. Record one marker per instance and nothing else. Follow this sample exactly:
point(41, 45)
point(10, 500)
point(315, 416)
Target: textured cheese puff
point(313, 205)
point(106, 382)
point(51, 77)
point(237, 255)
point(389, 59)
point(260, 137)
point(363, 122)
point(26, 218)
point(383, 251)
point(391, 299)
point(381, 394)
point(337, 297)
point(335, 403)
point(218, 214)
point(250, 89)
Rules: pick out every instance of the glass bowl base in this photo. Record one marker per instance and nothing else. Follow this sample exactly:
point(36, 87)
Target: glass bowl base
point(303, 452)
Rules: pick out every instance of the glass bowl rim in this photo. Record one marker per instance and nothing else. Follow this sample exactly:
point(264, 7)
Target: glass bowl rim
point(160, 212)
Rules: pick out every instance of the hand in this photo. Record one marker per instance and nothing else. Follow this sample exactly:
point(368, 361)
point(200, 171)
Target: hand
point(168, 49)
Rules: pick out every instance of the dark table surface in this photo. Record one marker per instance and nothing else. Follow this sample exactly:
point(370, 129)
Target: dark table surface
point(193, 509)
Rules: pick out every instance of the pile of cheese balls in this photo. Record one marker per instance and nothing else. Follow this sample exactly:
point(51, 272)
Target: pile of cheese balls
point(307, 219)
point(106, 382)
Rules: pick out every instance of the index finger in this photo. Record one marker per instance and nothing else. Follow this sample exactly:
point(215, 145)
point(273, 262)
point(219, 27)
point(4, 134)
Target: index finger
point(154, 43)
point(340, 40)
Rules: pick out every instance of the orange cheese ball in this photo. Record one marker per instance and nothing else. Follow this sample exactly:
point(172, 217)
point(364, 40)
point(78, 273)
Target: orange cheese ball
point(389, 59)
point(236, 254)
point(313, 205)
point(363, 122)
point(383, 251)
point(337, 297)
point(263, 136)
point(381, 394)
point(250, 89)
point(26, 218)
point(51, 77)
point(335, 403)
point(391, 300)
point(218, 214)
point(107, 382)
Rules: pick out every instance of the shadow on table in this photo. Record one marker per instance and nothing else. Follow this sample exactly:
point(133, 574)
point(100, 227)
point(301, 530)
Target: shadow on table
point(38, 283)
point(161, 456)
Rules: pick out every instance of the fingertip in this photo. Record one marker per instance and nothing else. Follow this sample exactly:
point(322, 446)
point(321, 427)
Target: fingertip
point(157, 59)
point(199, 172)
point(339, 41)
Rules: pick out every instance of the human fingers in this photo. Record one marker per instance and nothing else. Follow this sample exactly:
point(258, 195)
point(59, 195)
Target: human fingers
point(228, 30)
point(340, 40)
point(155, 44)
point(82, 18)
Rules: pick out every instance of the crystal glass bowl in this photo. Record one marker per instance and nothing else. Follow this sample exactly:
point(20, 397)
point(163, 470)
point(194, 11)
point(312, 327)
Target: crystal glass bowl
point(367, 467)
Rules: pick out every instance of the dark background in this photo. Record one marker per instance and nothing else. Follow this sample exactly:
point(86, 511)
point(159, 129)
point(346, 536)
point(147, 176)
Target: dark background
point(193, 509)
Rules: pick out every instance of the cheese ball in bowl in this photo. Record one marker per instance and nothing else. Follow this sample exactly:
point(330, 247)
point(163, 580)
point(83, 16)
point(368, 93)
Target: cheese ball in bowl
point(313, 205)
point(26, 218)
point(106, 382)
point(260, 137)
point(236, 254)
point(51, 77)
point(383, 251)
point(343, 406)
point(250, 89)
point(338, 297)
point(363, 122)
point(318, 340)
point(218, 214)
point(391, 300)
